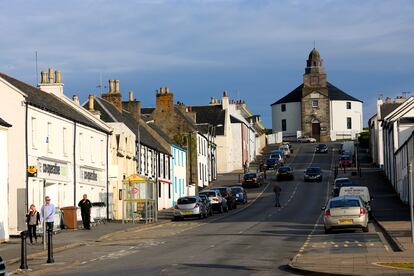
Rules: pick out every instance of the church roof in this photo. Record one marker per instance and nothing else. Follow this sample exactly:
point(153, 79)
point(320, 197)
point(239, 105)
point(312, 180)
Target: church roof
point(335, 94)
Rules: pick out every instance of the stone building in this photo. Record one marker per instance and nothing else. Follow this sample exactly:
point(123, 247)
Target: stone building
point(327, 113)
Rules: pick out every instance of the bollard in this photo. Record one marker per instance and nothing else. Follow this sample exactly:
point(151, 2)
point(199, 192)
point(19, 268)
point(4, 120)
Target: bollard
point(50, 259)
point(23, 255)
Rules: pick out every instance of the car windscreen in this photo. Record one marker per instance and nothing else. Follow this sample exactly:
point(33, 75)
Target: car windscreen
point(209, 194)
point(284, 169)
point(249, 175)
point(313, 170)
point(344, 203)
point(237, 190)
point(186, 200)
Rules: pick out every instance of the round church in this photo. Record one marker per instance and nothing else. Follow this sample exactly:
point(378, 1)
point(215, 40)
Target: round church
point(316, 108)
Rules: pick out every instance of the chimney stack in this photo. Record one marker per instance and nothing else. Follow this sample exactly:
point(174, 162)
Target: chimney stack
point(131, 96)
point(76, 99)
point(51, 75)
point(58, 77)
point(117, 89)
point(91, 103)
point(388, 100)
point(111, 86)
point(167, 90)
point(43, 77)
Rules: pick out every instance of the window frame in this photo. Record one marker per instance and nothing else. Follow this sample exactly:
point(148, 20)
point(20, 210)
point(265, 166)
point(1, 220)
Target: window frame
point(283, 108)
point(349, 122)
point(348, 105)
point(284, 124)
point(313, 103)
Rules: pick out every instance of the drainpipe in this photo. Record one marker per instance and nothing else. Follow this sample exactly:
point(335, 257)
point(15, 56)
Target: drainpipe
point(107, 177)
point(74, 165)
point(27, 158)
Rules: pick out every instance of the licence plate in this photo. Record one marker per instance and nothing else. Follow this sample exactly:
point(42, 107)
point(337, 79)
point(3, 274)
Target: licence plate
point(186, 212)
point(345, 221)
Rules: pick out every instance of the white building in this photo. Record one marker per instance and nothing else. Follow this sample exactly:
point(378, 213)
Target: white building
point(4, 181)
point(202, 161)
point(179, 173)
point(317, 108)
point(67, 147)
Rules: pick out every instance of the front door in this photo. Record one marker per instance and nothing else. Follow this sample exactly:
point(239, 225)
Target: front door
point(316, 131)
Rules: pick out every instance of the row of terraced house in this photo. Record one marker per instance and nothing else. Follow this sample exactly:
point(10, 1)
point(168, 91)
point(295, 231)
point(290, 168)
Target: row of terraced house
point(130, 161)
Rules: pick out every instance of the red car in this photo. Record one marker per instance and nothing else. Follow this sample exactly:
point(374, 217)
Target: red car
point(345, 161)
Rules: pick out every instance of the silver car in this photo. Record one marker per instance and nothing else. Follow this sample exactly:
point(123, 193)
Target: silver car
point(218, 202)
point(345, 212)
point(189, 206)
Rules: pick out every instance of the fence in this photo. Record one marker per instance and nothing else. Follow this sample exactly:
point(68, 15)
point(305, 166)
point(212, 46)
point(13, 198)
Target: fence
point(402, 158)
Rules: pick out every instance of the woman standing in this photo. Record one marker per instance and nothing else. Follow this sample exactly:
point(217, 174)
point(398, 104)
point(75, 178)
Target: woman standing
point(32, 219)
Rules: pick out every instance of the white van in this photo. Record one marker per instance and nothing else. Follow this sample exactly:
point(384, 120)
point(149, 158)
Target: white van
point(361, 191)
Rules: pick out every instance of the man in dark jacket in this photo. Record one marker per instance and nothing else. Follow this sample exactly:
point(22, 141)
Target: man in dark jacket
point(85, 206)
point(277, 190)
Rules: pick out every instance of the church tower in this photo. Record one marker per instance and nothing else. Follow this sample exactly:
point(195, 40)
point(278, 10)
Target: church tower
point(315, 99)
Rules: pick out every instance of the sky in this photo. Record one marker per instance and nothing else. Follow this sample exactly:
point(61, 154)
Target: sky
point(256, 50)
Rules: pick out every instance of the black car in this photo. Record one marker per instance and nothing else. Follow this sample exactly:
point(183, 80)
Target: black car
point(342, 182)
point(321, 148)
point(240, 193)
point(284, 172)
point(252, 180)
point(228, 195)
point(313, 174)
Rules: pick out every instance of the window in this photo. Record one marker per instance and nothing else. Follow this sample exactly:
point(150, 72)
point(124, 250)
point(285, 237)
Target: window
point(349, 123)
point(348, 105)
point(283, 107)
point(199, 171)
point(65, 141)
point(315, 103)
point(49, 139)
point(81, 146)
point(159, 189)
point(175, 184)
point(169, 191)
point(103, 153)
point(91, 149)
point(34, 132)
point(284, 125)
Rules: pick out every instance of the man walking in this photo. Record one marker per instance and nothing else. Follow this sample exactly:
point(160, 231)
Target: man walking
point(277, 190)
point(86, 206)
point(47, 213)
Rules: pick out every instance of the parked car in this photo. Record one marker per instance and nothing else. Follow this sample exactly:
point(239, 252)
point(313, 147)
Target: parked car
point(339, 182)
point(228, 195)
point(286, 150)
point(306, 139)
point(313, 174)
point(361, 191)
point(345, 160)
point(218, 202)
point(271, 163)
point(284, 172)
point(289, 145)
point(345, 212)
point(240, 193)
point(206, 201)
point(252, 179)
point(321, 148)
point(189, 206)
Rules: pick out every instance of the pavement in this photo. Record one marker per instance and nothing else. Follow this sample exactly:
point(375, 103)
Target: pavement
point(389, 239)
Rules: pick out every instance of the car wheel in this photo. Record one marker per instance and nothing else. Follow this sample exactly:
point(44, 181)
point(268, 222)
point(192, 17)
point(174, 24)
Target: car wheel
point(365, 229)
point(328, 230)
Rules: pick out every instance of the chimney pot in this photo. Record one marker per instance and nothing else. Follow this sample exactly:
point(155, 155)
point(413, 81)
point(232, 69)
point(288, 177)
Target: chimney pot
point(131, 96)
point(91, 103)
point(225, 93)
point(161, 90)
point(117, 90)
point(167, 90)
point(58, 77)
point(111, 86)
point(43, 77)
point(76, 99)
point(51, 75)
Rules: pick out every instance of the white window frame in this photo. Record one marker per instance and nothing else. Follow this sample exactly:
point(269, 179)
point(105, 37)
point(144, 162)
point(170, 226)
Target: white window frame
point(49, 135)
point(34, 132)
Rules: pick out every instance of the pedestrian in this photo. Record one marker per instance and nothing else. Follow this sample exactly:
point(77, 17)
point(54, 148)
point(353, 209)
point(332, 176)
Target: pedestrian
point(47, 213)
point(261, 166)
point(277, 190)
point(32, 219)
point(86, 207)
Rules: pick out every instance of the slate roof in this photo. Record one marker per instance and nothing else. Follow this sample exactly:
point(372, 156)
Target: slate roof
point(234, 120)
point(4, 123)
point(109, 113)
point(51, 103)
point(147, 110)
point(211, 114)
point(161, 133)
point(387, 108)
point(407, 120)
point(335, 94)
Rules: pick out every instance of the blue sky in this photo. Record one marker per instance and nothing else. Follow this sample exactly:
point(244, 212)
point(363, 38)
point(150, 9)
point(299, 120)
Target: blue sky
point(256, 50)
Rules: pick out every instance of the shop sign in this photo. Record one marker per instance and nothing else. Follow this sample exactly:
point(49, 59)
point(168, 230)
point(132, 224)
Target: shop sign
point(50, 168)
point(89, 175)
point(32, 171)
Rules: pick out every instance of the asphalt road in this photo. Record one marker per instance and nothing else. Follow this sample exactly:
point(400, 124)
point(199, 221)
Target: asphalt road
point(256, 239)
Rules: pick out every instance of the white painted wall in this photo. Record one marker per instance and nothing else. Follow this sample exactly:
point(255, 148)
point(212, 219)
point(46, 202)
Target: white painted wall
point(202, 160)
point(237, 147)
point(339, 115)
point(179, 173)
point(12, 110)
point(292, 115)
point(4, 185)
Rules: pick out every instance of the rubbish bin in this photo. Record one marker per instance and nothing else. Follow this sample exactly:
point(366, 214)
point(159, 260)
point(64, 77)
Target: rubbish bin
point(70, 217)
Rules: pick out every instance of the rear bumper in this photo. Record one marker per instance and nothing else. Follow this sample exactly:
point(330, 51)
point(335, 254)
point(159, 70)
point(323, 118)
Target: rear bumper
point(187, 213)
point(357, 222)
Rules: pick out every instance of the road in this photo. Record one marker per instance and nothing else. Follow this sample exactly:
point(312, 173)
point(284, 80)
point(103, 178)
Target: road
point(256, 239)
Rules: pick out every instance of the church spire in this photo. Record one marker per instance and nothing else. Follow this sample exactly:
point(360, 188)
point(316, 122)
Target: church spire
point(314, 63)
